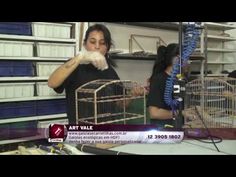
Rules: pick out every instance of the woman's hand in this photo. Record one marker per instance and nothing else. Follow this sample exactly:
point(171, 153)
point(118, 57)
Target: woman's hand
point(93, 57)
point(137, 91)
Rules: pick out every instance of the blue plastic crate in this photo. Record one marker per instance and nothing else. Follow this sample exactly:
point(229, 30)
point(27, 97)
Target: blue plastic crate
point(5, 68)
point(16, 68)
point(25, 109)
point(19, 109)
point(4, 131)
point(16, 28)
point(23, 68)
point(51, 107)
point(7, 110)
point(22, 129)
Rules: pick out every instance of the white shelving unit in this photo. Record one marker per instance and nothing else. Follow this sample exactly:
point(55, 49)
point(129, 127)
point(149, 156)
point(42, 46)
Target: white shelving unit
point(38, 39)
point(34, 98)
point(221, 50)
point(220, 38)
point(219, 26)
point(19, 140)
point(2, 79)
point(213, 35)
point(24, 119)
point(73, 40)
point(34, 58)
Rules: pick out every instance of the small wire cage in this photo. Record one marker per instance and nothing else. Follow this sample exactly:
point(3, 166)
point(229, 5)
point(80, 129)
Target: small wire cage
point(212, 99)
point(109, 101)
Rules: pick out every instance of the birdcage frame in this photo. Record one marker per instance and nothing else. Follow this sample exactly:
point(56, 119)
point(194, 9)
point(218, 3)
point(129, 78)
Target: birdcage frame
point(95, 99)
point(212, 100)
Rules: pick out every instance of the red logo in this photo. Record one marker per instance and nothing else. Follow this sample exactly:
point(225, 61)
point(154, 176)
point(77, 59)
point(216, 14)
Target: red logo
point(56, 133)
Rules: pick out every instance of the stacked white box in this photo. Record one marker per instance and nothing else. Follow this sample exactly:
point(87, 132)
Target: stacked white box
point(16, 90)
point(47, 68)
point(45, 124)
point(16, 49)
point(55, 50)
point(51, 30)
point(44, 90)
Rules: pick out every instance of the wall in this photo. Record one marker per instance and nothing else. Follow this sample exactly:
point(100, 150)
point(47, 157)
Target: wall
point(138, 70)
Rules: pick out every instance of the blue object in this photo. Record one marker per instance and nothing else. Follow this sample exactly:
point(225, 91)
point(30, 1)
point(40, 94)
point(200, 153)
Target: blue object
point(18, 109)
point(191, 35)
point(23, 68)
point(18, 130)
point(22, 129)
point(16, 68)
point(51, 107)
point(24, 109)
point(4, 131)
point(5, 68)
point(16, 28)
point(7, 110)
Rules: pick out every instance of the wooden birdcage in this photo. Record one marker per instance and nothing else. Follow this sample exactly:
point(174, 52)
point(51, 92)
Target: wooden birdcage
point(213, 100)
point(109, 101)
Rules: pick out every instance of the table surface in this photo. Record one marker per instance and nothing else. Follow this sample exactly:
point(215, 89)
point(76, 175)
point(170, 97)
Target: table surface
point(186, 147)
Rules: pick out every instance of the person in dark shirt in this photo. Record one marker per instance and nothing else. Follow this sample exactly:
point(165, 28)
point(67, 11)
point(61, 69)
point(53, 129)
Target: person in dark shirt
point(92, 64)
point(160, 112)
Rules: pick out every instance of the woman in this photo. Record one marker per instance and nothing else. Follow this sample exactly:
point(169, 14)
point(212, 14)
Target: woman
point(92, 64)
point(89, 65)
point(160, 112)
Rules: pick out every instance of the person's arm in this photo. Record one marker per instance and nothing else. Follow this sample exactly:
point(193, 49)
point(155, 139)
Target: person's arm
point(63, 72)
point(159, 113)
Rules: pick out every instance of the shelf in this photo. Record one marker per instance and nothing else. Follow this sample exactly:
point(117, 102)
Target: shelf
point(221, 50)
point(72, 23)
point(18, 140)
point(215, 75)
point(214, 63)
point(221, 38)
point(34, 38)
point(133, 57)
point(219, 26)
point(219, 63)
point(211, 75)
point(34, 58)
point(35, 98)
point(25, 119)
point(174, 26)
point(218, 50)
point(197, 57)
point(44, 78)
point(72, 41)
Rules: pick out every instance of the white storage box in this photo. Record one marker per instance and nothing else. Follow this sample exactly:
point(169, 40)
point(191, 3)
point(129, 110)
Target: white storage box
point(44, 90)
point(16, 90)
point(51, 30)
point(55, 50)
point(16, 49)
point(45, 124)
point(47, 68)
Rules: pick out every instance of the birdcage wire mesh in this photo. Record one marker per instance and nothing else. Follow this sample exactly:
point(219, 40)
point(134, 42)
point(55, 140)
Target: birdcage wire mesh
point(109, 101)
point(212, 99)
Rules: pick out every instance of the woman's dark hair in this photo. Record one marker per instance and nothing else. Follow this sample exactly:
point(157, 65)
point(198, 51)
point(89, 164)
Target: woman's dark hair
point(107, 39)
point(164, 58)
point(232, 74)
